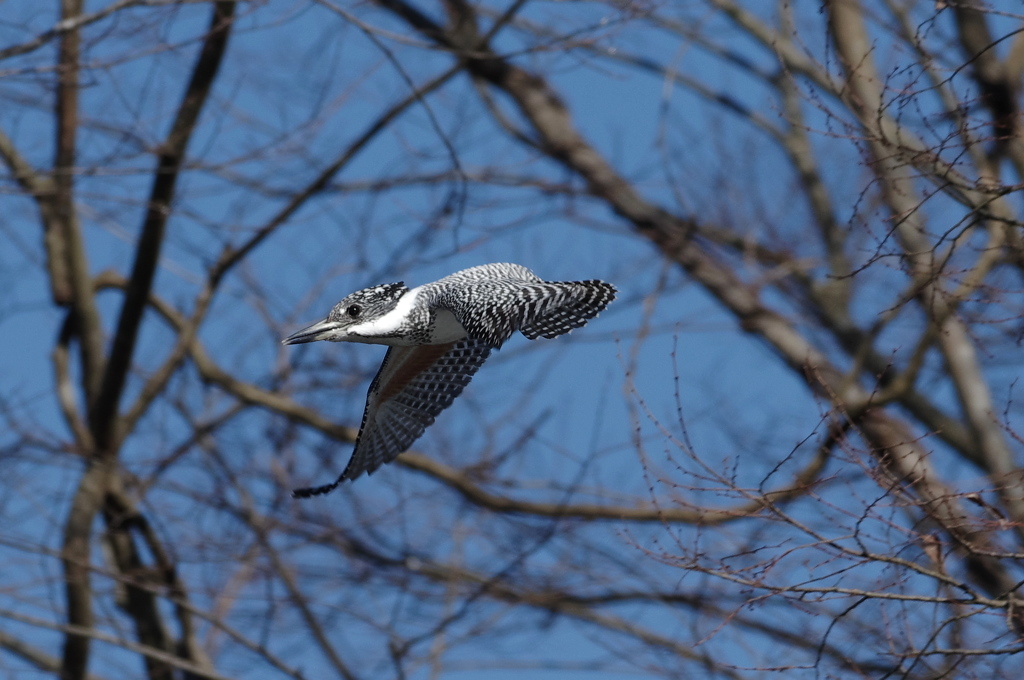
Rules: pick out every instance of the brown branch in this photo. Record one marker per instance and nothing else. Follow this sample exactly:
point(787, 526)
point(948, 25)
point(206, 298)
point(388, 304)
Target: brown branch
point(56, 239)
point(66, 256)
point(907, 25)
point(904, 143)
point(138, 603)
point(92, 487)
point(865, 99)
point(897, 450)
point(65, 389)
point(98, 488)
point(37, 185)
point(834, 294)
point(215, 618)
point(32, 655)
point(298, 599)
point(646, 64)
point(66, 25)
point(1015, 62)
point(793, 57)
point(234, 254)
point(134, 647)
point(497, 587)
point(142, 582)
point(998, 92)
point(103, 415)
point(461, 482)
point(830, 299)
point(998, 84)
point(76, 556)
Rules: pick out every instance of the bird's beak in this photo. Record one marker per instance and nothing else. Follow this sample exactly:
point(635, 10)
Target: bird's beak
point(318, 331)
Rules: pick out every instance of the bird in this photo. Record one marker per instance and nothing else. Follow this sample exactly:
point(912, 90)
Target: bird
point(438, 336)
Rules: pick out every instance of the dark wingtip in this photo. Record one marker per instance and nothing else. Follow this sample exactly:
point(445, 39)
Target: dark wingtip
point(311, 491)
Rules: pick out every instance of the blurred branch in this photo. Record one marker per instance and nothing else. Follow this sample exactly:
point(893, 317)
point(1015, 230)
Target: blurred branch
point(67, 262)
point(898, 451)
point(215, 620)
point(298, 599)
point(72, 23)
point(833, 294)
point(141, 603)
point(76, 556)
point(475, 493)
point(993, 76)
point(940, 83)
point(693, 84)
point(103, 415)
point(865, 99)
point(232, 255)
point(137, 603)
point(501, 588)
point(93, 634)
point(99, 487)
point(904, 145)
point(68, 269)
point(199, 431)
point(103, 398)
point(791, 57)
point(877, 553)
point(34, 656)
point(584, 605)
point(829, 298)
point(65, 389)
point(38, 186)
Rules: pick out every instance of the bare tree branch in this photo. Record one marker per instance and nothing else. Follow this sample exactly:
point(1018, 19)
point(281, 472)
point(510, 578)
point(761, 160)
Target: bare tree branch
point(33, 655)
point(73, 23)
point(76, 556)
point(103, 414)
point(998, 92)
point(853, 46)
point(93, 634)
point(65, 250)
point(301, 602)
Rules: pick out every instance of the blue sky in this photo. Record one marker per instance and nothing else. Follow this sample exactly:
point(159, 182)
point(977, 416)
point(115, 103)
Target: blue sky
point(300, 84)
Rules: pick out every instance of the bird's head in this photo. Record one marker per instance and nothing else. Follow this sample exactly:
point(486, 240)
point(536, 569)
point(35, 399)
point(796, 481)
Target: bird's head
point(360, 309)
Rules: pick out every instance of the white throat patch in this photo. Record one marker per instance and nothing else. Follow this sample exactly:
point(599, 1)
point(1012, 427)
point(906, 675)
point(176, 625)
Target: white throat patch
point(373, 331)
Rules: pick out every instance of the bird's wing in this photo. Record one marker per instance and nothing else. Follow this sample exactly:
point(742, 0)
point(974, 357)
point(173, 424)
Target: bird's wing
point(572, 305)
point(413, 385)
point(493, 310)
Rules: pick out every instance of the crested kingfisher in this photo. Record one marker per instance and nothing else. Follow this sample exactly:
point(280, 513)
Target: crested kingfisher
point(438, 335)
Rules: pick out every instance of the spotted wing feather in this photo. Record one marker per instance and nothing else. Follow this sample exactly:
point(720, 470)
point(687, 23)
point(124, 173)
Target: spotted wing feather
point(563, 306)
point(413, 386)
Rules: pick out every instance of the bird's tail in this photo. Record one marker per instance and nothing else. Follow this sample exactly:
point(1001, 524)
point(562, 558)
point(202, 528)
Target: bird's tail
point(562, 306)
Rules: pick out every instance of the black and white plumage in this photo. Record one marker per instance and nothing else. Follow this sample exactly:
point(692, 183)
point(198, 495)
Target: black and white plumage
point(439, 335)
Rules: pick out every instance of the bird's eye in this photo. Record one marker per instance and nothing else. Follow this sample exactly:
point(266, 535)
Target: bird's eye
point(354, 311)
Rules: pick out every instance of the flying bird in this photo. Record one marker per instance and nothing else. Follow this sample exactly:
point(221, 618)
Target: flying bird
point(438, 336)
